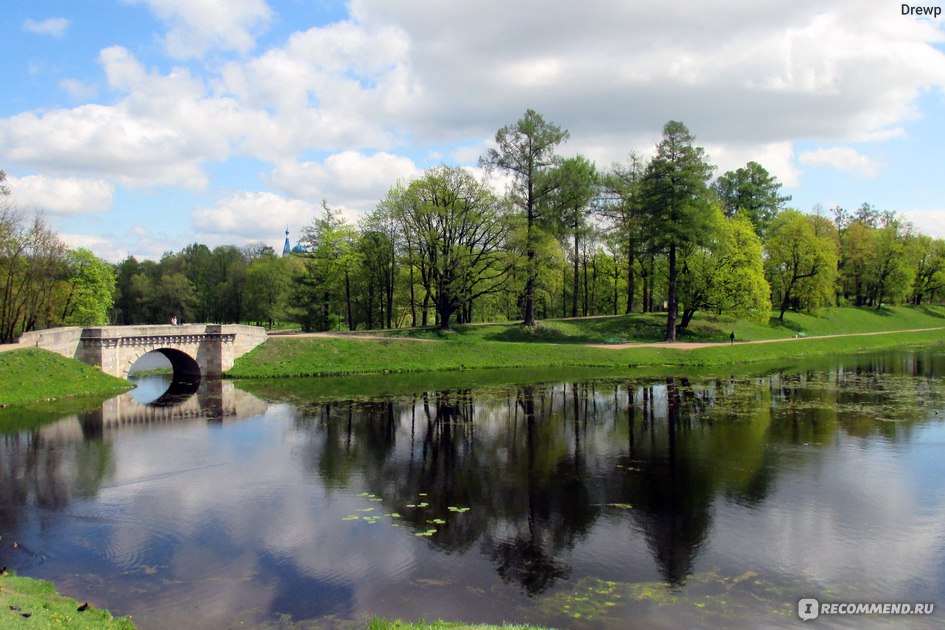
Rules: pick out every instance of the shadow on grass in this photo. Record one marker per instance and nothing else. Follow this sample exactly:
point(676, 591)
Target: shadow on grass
point(925, 309)
point(786, 324)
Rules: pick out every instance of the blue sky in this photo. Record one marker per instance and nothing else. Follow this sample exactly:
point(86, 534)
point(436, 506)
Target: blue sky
point(139, 126)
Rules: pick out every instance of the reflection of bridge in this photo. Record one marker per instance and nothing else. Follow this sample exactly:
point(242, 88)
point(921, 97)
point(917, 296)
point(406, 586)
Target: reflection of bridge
point(214, 401)
point(192, 349)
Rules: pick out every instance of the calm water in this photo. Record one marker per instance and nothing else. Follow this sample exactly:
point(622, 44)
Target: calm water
point(608, 503)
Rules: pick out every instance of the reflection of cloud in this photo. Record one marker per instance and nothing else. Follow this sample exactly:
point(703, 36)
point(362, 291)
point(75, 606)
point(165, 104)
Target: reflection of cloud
point(851, 523)
point(255, 501)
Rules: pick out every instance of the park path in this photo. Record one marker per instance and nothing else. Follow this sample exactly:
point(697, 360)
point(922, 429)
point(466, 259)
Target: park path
point(679, 345)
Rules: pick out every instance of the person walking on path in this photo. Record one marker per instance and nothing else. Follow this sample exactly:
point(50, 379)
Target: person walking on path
point(731, 338)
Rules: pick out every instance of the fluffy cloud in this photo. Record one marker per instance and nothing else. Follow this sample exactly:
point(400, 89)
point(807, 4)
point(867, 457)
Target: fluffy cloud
point(196, 27)
point(61, 196)
point(349, 179)
point(101, 246)
point(253, 216)
point(931, 222)
point(55, 27)
point(748, 74)
point(844, 159)
point(401, 84)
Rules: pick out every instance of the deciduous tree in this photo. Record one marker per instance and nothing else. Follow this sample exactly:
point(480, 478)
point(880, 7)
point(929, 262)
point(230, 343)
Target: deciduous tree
point(526, 150)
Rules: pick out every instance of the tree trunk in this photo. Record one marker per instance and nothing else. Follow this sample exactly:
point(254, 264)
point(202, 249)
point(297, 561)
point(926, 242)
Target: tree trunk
point(348, 300)
point(672, 304)
point(574, 297)
point(584, 266)
point(630, 278)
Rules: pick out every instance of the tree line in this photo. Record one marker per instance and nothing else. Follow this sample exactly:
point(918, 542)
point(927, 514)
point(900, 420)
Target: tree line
point(564, 239)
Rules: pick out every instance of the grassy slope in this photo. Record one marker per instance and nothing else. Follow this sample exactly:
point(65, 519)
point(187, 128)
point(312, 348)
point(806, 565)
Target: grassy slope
point(34, 375)
point(27, 603)
point(557, 344)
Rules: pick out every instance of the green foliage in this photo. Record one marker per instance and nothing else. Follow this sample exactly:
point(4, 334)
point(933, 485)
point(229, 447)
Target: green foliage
point(33, 269)
point(802, 262)
point(677, 206)
point(526, 151)
point(320, 297)
point(928, 258)
point(267, 287)
point(90, 290)
point(459, 229)
point(752, 191)
point(727, 275)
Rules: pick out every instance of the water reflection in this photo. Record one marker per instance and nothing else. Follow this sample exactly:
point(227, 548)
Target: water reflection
point(685, 501)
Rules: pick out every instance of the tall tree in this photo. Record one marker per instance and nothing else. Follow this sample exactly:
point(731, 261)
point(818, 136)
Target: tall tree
point(526, 150)
point(726, 275)
point(576, 180)
point(624, 206)
point(929, 263)
point(460, 229)
point(801, 264)
point(323, 289)
point(754, 191)
point(676, 204)
point(89, 290)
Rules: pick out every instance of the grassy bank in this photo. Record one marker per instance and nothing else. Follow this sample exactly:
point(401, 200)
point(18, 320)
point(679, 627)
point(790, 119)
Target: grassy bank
point(34, 375)
point(561, 343)
point(28, 603)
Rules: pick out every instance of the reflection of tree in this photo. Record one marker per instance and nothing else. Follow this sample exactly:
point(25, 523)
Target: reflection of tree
point(540, 465)
point(38, 472)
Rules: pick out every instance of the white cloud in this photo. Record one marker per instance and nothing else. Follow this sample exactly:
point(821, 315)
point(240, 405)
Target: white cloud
point(61, 195)
point(77, 89)
point(56, 27)
point(101, 246)
point(348, 179)
point(398, 83)
point(199, 26)
point(931, 222)
point(734, 72)
point(253, 216)
point(844, 159)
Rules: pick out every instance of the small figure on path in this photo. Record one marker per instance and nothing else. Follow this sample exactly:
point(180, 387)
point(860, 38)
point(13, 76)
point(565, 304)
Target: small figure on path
point(174, 320)
point(731, 338)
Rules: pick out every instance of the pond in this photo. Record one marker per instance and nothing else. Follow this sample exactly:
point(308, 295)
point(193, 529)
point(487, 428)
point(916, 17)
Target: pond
point(571, 502)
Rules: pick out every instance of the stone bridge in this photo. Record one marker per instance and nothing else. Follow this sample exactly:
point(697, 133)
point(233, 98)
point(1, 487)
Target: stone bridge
point(194, 350)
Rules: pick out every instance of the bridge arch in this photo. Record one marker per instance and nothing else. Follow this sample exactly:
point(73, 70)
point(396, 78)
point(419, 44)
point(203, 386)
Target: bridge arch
point(184, 365)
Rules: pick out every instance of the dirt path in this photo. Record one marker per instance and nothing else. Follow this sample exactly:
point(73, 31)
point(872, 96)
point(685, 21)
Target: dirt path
point(682, 345)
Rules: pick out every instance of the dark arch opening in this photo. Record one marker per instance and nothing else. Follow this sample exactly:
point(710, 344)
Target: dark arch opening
point(184, 366)
point(178, 387)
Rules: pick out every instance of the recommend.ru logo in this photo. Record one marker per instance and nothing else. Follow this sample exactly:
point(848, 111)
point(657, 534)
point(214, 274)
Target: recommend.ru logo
point(810, 608)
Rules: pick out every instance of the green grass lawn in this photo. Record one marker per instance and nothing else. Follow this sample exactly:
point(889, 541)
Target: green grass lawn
point(27, 603)
point(559, 343)
point(33, 375)
point(651, 327)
